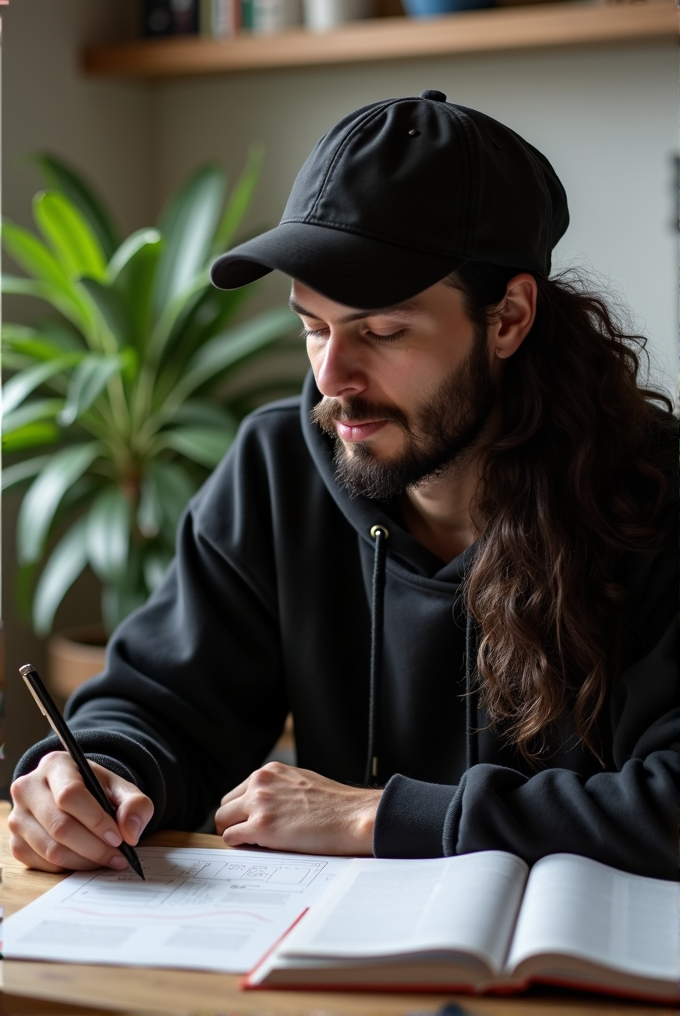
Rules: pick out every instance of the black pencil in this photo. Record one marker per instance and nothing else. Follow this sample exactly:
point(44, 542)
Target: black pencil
point(56, 721)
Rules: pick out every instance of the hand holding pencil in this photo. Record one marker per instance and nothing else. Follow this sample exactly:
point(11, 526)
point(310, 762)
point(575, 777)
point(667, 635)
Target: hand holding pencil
point(58, 824)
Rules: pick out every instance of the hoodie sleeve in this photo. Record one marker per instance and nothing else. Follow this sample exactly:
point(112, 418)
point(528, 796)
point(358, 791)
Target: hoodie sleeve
point(192, 698)
point(626, 818)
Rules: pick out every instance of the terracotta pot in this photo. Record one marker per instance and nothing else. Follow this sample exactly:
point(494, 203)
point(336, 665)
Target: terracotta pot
point(73, 656)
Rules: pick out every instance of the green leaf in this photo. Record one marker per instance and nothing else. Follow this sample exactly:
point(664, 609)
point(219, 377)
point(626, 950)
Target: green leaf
point(16, 333)
point(62, 334)
point(40, 409)
point(21, 385)
point(66, 562)
point(33, 435)
point(200, 412)
point(235, 345)
point(209, 313)
point(61, 177)
point(134, 283)
point(188, 226)
point(120, 601)
point(150, 510)
point(111, 308)
point(21, 471)
point(156, 562)
point(33, 256)
point(130, 359)
point(129, 248)
point(218, 308)
point(29, 342)
point(62, 298)
point(70, 235)
point(108, 535)
point(88, 380)
point(239, 200)
point(43, 497)
point(166, 490)
point(200, 444)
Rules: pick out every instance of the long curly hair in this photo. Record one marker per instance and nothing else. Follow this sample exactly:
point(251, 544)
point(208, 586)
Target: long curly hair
point(573, 482)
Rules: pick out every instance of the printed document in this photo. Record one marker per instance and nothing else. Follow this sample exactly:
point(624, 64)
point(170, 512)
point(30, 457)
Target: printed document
point(198, 909)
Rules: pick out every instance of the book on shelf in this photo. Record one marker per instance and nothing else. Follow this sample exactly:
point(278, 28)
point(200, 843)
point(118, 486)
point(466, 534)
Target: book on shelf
point(169, 17)
point(484, 922)
point(220, 19)
point(262, 17)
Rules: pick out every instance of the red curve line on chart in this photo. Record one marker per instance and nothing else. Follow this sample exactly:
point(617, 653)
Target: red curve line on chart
point(158, 917)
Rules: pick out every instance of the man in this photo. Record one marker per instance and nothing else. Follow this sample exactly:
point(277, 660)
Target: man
point(454, 559)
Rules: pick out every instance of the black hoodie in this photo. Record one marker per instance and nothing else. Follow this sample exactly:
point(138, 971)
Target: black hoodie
point(267, 608)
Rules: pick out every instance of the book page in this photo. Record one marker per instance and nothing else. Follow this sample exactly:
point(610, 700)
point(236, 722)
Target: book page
point(585, 909)
point(383, 907)
point(198, 909)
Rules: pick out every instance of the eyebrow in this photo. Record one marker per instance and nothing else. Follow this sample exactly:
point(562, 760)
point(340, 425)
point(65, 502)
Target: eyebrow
point(357, 315)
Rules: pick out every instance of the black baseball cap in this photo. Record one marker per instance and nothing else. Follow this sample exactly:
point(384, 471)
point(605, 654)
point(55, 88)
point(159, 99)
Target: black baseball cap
point(399, 194)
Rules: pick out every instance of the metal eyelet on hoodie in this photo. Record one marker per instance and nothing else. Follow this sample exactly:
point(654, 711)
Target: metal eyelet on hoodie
point(380, 534)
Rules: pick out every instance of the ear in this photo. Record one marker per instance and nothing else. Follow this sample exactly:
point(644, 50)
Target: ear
point(515, 315)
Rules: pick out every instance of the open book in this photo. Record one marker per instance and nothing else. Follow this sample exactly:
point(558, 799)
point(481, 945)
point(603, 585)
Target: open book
point(480, 922)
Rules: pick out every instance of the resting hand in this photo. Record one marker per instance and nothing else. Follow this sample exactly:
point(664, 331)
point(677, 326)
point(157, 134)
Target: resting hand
point(57, 825)
point(287, 808)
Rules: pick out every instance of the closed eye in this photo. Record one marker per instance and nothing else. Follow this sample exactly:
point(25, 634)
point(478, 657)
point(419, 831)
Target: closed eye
point(387, 338)
point(316, 333)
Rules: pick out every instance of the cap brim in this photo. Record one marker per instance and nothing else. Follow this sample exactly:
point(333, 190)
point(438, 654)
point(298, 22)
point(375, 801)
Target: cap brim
point(357, 271)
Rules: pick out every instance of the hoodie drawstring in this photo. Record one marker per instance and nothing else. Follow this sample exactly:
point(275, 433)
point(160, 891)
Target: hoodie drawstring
point(471, 745)
point(380, 534)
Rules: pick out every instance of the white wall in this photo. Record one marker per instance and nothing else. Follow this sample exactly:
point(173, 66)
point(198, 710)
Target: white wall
point(102, 127)
point(605, 117)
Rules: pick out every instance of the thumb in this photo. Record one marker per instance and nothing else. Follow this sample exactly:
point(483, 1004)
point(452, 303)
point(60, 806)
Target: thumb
point(134, 809)
point(134, 814)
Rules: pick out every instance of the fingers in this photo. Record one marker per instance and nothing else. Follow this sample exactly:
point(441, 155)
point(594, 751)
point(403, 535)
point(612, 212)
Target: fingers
point(254, 811)
point(38, 847)
point(21, 850)
point(57, 824)
point(69, 796)
point(246, 812)
point(245, 834)
point(230, 814)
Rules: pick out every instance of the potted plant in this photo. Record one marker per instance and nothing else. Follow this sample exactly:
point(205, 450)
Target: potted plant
point(112, 415)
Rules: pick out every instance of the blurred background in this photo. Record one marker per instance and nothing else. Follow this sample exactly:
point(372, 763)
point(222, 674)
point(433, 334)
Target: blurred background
point(604, 114)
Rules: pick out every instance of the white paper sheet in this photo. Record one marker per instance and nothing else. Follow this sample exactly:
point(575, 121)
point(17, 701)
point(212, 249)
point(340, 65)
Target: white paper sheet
point(198, 909)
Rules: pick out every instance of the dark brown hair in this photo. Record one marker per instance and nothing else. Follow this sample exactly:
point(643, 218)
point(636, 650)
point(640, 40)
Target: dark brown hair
point(569, 486)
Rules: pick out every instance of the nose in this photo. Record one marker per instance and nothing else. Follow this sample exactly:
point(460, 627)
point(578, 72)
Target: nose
point(337, 367)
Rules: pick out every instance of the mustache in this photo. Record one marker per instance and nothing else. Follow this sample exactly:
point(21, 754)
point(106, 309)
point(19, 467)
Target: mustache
point(329, 411)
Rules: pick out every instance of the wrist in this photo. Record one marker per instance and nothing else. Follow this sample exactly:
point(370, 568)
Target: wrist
point(365, 820)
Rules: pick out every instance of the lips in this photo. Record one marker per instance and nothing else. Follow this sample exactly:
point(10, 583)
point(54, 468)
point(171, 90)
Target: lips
point(352, 432)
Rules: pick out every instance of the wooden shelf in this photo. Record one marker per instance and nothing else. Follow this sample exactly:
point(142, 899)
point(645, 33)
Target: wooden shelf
point(501, 28)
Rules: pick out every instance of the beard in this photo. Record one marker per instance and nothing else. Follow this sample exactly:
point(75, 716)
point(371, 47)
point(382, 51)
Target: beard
point(445, 425)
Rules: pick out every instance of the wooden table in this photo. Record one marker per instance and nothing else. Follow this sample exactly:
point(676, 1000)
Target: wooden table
point(69, 989)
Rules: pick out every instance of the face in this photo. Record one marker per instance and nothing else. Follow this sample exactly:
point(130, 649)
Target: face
point(405, 389)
